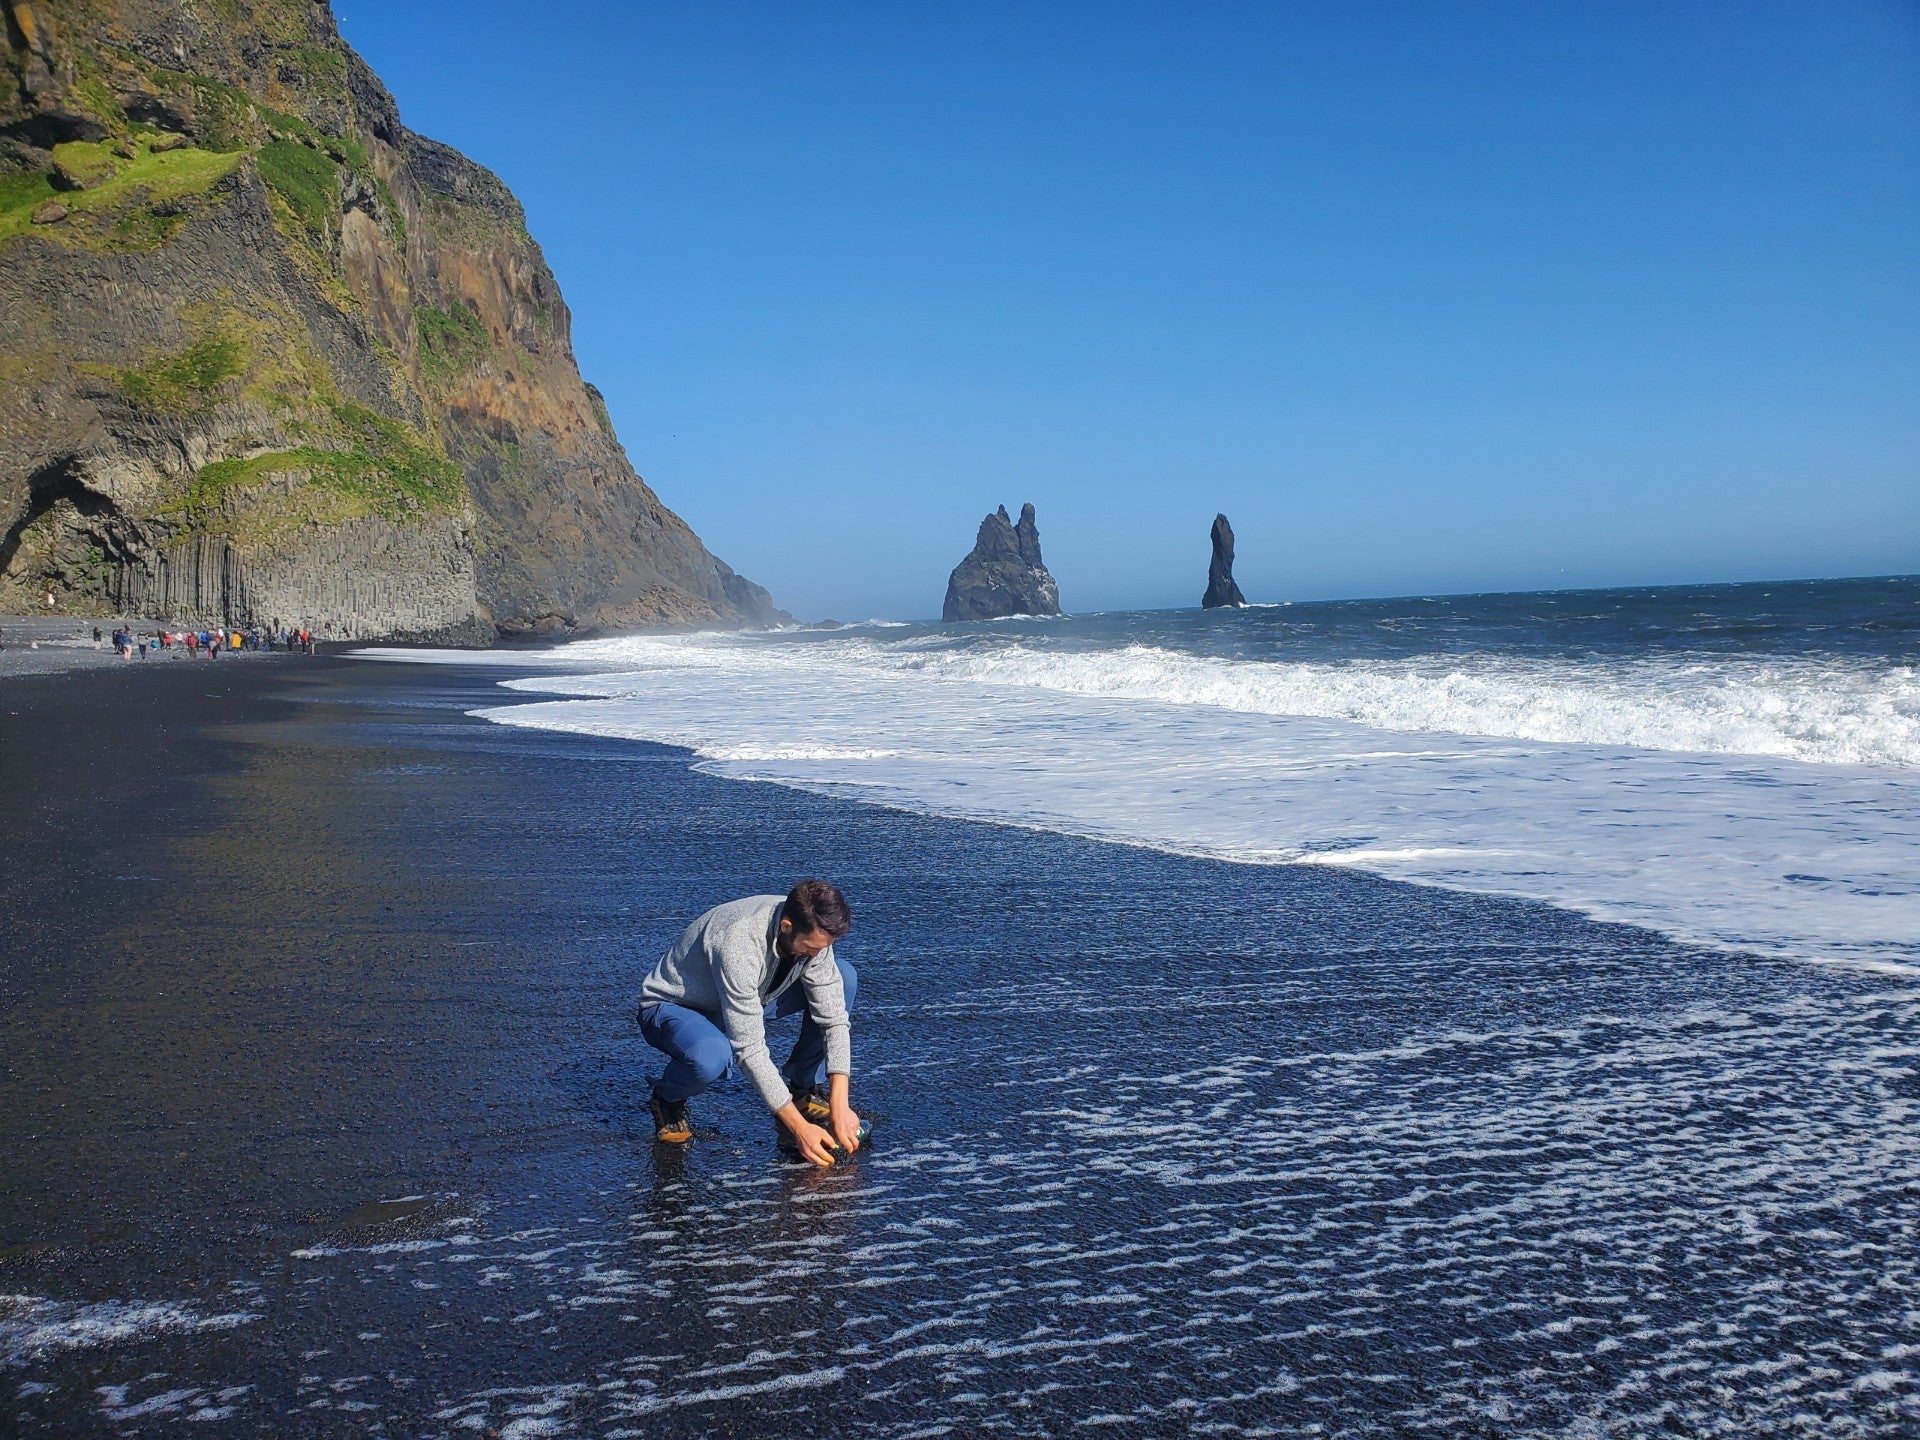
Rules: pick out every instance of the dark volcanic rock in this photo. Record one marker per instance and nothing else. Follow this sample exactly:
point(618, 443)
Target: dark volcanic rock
point(1004, 575)
point(1221, 591)
point(296, 362)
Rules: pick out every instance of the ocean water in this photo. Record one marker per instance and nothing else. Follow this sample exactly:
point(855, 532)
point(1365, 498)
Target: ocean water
point(1730, 765)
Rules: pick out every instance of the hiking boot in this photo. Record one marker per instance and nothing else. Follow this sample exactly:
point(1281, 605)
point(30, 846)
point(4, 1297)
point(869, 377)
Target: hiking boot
point(670, 1125)
point(811, 1101)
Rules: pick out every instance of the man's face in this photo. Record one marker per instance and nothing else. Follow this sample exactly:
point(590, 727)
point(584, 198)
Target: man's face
point(804, 943)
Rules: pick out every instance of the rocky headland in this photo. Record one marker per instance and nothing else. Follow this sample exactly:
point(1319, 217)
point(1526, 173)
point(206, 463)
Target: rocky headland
point(266, 354)
point(1221, 589)
point(1004, 574)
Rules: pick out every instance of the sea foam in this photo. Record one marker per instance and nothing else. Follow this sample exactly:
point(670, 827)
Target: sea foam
point(1815, 711)
point(1748, 801)
point(32, 1327)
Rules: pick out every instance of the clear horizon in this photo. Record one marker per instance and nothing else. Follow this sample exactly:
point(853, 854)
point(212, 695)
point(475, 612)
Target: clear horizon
point(1426, 302)
point(1426, 595)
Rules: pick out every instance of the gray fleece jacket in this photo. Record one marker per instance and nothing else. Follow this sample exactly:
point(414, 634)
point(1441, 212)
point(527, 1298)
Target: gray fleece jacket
point(724, 966)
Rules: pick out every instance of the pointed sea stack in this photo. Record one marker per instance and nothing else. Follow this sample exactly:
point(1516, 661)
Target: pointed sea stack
point(1004, 575)
point(1221, 591)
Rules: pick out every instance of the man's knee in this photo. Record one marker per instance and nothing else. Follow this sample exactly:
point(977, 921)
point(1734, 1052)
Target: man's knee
point(849, 981)
point(709, 1056)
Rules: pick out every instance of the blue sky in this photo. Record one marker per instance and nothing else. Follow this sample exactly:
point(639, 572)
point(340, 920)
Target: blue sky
point(1425, 297)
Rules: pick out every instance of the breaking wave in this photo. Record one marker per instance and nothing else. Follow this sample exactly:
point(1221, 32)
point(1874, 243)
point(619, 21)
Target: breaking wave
point(1762, 799)
point(1818, 712)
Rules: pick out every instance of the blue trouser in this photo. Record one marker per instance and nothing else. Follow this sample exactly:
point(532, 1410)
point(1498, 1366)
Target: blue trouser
point(698, 1051)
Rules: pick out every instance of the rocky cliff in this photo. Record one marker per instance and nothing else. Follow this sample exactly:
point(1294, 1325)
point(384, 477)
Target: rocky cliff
point(1221, 589)
point(1004, 574)
point(265, 353)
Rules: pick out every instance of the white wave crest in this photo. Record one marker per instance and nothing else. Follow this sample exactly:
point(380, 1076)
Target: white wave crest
point(1819, 712)
point(795, 752)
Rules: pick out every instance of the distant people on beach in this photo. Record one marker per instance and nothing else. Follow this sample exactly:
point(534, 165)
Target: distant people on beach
point(197, 642)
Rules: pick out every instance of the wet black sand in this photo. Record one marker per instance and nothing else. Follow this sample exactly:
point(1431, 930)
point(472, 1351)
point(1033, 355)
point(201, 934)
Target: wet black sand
point(1165, 1146)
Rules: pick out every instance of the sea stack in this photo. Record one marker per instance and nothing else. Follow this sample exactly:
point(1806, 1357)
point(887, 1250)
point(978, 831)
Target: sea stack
point(1004, 575)
point(1221, 591)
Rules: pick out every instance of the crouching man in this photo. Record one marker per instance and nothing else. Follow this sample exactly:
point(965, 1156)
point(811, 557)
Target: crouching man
point(735, 968)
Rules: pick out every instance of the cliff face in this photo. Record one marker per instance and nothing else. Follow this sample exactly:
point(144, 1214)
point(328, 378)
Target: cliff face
point(267, 354)
point(1003, 574)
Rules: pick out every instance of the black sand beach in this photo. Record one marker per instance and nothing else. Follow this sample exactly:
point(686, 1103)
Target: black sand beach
point(323, 1114)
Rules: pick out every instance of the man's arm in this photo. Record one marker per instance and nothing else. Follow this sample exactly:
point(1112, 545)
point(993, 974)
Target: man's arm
point(742, 1020)
point(827, 1006)
point(746, 1030)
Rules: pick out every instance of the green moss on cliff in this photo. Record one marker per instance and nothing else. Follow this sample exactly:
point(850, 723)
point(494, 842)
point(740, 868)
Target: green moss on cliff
point(452, 341)
point(284, 126)
point(307, 180)
point(317, 62)
point(285, 22)
point(22, 192)
point(412, 467)
point(475, 227)
point(381, 467)
point(300, 163)
point(225, 115)
point(349, 152)
point(226, 118)
point(88, 165)
point(146, 229)
point(154, 183)
point(600, 415)
point(186, 381)
point(93, 90)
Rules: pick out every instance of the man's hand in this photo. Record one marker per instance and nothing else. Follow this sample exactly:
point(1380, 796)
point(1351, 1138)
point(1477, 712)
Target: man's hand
point(844, 1126)
point(814, 1143)
point(841, 1120)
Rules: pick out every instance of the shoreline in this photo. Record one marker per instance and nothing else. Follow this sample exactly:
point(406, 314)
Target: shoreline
point(60, 652)
point(60, 644)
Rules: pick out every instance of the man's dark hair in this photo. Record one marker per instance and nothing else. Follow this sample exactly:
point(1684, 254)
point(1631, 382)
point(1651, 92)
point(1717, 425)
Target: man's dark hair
point(816, 905)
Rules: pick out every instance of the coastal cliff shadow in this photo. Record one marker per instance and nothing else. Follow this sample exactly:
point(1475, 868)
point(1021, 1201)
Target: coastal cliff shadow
point(46, 488)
